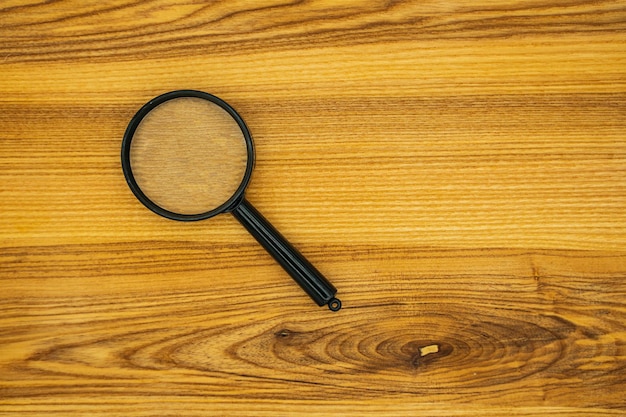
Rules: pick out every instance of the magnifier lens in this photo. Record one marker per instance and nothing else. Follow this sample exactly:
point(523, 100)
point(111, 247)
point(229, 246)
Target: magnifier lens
point(188, 155)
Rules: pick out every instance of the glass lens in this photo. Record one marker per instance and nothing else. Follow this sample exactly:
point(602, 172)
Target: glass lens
point(188, 155)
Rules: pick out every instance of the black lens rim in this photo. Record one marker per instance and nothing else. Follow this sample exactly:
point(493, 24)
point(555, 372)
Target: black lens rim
point(229, 204)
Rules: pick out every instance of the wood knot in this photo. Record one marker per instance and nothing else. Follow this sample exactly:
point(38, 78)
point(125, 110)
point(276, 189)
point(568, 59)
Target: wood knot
point(283, 333)
point(430, 352)
point(427, 350)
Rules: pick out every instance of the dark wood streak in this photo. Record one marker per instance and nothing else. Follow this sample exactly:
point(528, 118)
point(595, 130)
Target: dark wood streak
point(495, 351)
point(387, 22)
point(482, 345)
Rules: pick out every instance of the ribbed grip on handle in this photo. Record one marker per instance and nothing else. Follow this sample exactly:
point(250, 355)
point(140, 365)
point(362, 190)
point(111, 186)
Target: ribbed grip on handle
point(306, 275)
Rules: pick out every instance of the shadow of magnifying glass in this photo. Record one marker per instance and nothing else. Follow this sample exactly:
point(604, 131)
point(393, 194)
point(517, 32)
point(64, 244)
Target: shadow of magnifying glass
point(187, 156)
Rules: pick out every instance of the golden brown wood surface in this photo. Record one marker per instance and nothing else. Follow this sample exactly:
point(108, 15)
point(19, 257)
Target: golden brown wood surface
point(456, 168)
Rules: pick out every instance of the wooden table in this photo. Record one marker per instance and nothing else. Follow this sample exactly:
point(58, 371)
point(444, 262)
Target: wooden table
point(457, 169)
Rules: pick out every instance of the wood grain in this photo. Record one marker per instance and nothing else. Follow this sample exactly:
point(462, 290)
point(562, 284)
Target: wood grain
point(457, 169)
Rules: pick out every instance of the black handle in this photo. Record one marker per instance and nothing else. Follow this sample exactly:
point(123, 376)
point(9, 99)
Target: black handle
point(306, 275)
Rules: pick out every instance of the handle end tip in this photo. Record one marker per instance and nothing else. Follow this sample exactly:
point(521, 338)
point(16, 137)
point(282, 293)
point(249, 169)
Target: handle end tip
point(334, 304)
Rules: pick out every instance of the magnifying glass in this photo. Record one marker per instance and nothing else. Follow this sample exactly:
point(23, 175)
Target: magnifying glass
point(187, 155)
